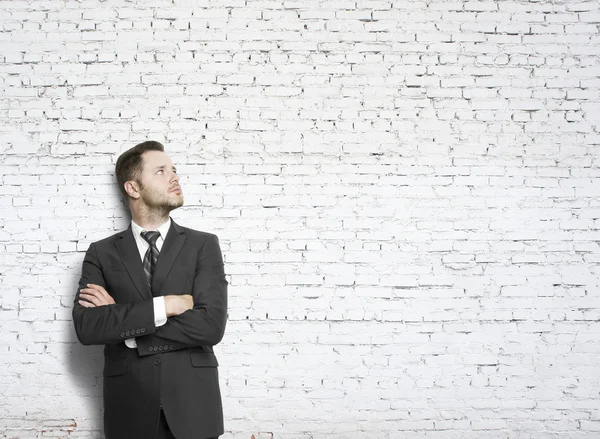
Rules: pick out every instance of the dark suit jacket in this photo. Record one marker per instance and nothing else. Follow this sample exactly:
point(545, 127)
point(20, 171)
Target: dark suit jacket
point(174, 364)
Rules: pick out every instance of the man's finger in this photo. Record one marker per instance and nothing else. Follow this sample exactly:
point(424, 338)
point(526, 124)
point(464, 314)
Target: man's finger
point(90, 292)
point(104, 294)
point(97, 287)
point(97, 298)
point(91, 298)
point(98, 295)
point(86, 304)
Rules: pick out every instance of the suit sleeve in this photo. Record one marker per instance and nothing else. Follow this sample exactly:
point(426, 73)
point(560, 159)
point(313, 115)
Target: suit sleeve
point(203, 325)
point(109, 323)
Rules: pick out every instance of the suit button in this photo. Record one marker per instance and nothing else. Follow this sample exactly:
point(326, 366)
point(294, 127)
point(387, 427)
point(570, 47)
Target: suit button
point(150, 348)
point(171, 346)
point(166, 347)
point(137, 331)
point(143, 330)
point(157, 362)
point(127, 333)
point(160, 348)
point(122, 334)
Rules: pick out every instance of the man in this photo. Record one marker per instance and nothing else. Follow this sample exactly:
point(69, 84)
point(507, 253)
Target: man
point(155, 295)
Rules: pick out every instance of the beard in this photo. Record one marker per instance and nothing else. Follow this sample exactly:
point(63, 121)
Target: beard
point(159, 201)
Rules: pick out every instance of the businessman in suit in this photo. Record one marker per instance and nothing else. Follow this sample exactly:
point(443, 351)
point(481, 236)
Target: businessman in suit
point(155, 295)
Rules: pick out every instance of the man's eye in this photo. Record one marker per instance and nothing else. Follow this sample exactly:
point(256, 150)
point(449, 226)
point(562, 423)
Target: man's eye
point(159, 171)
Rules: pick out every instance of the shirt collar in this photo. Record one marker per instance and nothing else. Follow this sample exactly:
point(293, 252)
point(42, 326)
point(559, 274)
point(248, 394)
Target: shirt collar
point(163, 229)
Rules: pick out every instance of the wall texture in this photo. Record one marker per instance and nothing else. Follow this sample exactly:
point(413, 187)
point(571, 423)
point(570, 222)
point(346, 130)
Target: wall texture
point(406, 195)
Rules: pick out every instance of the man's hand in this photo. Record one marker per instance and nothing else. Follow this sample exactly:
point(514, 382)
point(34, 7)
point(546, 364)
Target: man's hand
point(178, 304)
point(94, 295)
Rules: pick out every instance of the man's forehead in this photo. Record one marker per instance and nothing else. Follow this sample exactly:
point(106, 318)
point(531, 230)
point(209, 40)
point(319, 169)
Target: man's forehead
point(154, 159)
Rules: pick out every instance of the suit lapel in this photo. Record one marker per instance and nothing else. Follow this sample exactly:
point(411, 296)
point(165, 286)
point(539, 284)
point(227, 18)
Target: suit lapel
point(168, 253)
point(130, 255)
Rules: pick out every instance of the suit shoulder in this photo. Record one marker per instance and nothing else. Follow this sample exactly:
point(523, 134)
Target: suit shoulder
point(108, 240)
point(199, 234)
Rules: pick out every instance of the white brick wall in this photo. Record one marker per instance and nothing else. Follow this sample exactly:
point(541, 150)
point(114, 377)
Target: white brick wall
point(406, 194)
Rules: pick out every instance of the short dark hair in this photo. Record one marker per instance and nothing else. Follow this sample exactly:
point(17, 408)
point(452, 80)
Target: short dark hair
point(129, 164)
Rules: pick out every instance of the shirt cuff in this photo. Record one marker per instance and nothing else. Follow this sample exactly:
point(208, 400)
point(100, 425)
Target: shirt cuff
point(160, 318)
point(160, 311)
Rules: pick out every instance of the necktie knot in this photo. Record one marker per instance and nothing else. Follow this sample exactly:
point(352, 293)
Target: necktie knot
point(150, 237)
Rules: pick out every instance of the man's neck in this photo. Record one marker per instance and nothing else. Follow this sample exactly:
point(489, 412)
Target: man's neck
point(150, 222)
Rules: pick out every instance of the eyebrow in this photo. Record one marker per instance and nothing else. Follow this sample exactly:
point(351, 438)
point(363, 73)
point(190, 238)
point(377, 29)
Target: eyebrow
point(163, 167)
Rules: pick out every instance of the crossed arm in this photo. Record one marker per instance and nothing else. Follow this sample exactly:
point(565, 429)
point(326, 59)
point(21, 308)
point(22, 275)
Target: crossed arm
point(95, 295)
point(194, 319)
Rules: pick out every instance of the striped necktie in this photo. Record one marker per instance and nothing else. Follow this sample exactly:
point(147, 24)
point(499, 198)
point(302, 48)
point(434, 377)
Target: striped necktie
point(151, 255)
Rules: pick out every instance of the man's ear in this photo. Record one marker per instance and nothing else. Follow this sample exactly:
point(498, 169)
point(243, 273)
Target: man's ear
point(131, 187)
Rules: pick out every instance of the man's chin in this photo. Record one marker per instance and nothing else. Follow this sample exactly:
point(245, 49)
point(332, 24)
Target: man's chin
point(176, 204)
point(170, 205)
point(165, 205)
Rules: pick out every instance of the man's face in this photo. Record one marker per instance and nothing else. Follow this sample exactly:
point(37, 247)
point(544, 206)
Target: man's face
point(159, 183)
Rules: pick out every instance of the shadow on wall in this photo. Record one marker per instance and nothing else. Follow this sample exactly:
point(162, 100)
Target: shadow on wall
point(86, 363)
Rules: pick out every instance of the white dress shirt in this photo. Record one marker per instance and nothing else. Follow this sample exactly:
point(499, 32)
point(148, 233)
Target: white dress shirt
point(160, 312)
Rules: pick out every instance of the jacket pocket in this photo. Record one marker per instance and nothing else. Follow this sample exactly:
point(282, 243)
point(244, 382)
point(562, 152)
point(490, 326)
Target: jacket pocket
point(203, 359)
point(115, 367)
